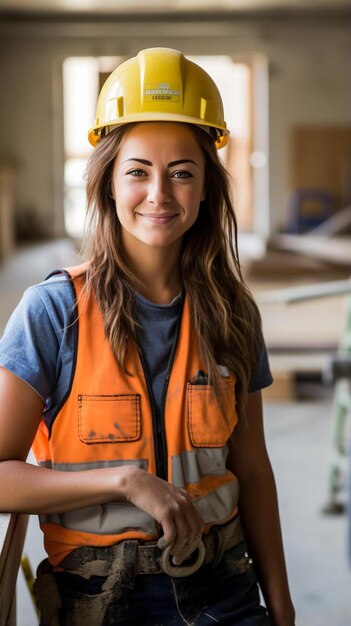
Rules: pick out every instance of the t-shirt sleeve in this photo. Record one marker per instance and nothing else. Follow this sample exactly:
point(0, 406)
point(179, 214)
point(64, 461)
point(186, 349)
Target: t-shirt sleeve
point(30, 346)
point(261, 376)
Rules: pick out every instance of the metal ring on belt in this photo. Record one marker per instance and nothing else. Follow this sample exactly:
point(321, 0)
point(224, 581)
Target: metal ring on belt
point(178, 571)
point(151, 560)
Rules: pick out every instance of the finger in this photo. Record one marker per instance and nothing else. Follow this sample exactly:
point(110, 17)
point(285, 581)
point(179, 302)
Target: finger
point(190, 511)
point(181, 544)
point(163, 543)
point(189, 534)
point(187, 539)
point(169, 534)
point(189, 547)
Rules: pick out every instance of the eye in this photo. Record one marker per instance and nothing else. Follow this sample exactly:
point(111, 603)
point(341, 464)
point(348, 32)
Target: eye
point(183, 174)
point(137, 173)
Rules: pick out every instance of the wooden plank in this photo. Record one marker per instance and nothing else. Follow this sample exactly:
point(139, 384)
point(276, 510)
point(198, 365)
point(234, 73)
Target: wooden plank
point(12, 534)
point(333, 250)
point(306, 292)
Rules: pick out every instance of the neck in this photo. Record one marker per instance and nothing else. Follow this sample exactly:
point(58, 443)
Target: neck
point(157, 272)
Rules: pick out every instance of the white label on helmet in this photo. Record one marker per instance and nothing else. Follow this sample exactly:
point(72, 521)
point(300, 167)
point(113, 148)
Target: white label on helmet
point(162, 92)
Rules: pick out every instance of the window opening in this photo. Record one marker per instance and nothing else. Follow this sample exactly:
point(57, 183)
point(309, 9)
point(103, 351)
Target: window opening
point(82, 79)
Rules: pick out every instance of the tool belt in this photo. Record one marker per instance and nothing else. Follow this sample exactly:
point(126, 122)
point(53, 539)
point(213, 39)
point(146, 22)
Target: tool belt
point(119, 564)
point(151, 560)
point(148, 558)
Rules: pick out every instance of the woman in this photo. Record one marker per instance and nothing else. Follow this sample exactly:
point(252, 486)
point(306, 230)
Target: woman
point(137, 378)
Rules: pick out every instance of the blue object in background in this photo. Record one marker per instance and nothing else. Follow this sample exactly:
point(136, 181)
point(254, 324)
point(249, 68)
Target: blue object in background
point(308, 208)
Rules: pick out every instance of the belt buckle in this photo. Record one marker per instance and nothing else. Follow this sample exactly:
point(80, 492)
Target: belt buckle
point(180, 571)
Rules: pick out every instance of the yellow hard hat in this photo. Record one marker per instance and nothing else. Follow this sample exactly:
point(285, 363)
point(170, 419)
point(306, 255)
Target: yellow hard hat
point(159, 84)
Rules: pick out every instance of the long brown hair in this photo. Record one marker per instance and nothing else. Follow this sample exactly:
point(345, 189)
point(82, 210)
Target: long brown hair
point(225, 316)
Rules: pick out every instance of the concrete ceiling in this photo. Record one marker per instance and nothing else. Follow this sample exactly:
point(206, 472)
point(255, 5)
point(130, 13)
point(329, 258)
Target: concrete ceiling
point(131, 6)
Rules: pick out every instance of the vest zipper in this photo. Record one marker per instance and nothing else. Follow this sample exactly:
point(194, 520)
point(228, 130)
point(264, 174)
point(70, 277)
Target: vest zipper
point(159, 440)
point(158, 419)
point(161, 418)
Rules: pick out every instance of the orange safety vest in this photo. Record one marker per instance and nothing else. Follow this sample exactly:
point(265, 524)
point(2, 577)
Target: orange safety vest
point(107, 420)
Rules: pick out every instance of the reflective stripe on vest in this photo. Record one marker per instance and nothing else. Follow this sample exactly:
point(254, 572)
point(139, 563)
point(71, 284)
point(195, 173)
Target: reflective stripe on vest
point(107, 421)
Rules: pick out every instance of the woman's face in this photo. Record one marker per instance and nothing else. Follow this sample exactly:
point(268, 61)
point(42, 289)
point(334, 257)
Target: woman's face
point(158, 183)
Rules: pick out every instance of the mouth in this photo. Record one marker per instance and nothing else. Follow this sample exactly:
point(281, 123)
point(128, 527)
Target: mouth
point(159, 218)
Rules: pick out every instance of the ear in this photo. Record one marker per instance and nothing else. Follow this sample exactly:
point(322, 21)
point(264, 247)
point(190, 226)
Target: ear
point(203, 194)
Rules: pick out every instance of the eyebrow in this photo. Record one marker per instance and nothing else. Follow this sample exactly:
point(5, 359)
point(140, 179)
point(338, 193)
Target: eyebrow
point(171, 164)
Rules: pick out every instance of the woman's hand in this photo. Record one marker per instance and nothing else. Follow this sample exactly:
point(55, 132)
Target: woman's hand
point(171, 507)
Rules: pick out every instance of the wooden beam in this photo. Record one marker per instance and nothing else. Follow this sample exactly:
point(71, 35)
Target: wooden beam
point(13, 529)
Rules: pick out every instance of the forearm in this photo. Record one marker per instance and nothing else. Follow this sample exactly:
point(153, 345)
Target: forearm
point(26, 488)
point(259, 512)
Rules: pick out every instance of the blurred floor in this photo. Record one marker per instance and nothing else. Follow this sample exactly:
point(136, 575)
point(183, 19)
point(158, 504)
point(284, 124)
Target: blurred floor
point(298, 439)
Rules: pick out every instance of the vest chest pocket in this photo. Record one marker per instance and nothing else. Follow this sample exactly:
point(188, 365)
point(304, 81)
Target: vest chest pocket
point(208, 425)
point(109, 418)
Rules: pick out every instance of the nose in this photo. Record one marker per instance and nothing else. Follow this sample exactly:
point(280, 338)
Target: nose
point(159, 192)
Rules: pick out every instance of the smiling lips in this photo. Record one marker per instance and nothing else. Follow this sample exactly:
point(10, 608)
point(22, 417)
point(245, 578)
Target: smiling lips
point(159, 218)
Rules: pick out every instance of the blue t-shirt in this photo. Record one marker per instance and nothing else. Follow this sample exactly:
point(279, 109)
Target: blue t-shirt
point(39, 341)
